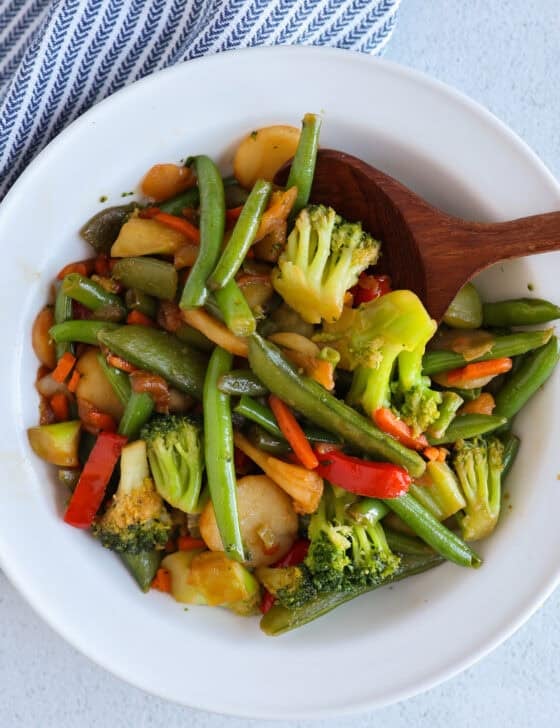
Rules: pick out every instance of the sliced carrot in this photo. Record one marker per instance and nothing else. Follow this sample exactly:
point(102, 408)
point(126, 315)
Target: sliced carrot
point(394, 426)
point(60, 407)
point(293, 433)
point(83, 267)
point(162, 581)
point(431, 453)
point(139, 318)
point(74, 379)
point(478, 370)
point(182, 226)
point(483, 405)
point(64, 367)
point(122, 364)
point(188, 543)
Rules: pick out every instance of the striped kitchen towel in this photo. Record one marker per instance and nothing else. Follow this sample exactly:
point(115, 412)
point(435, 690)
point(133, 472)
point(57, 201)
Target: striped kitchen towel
point(59, 57)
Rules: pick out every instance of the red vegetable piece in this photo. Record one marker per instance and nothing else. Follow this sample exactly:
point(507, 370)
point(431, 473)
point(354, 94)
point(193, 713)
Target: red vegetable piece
point(363, 477)
point(370, 287)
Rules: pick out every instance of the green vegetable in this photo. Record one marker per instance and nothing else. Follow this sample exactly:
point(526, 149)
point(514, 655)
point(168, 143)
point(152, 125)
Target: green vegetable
point(142, 566)
point(212, 224)
point(235, 310)
point(303, 166)
point(479, 465)
point(323, 409)
point(442, 497)
point(435, 362)
point(93, 296)
point(218, 454)
point(322, 259)
point(84, 332)
point(242, 381)
point(62, 313)
point(465, 310)
point(280, 619)
point(511, 447)
point(137, 412)
point(57, 444)
point(160, 353)
point(401, 543)
point(450, 403)
point(117, 378)
point(137, 300)
point(149, 275)
point(368, 510)
point(175, 205)
point(136, 519)
point(521, 385)
point(101, 230)
point(430, 530)
point(176, 460)
point(519, 312)
point(465, 426)
point(242, 236)
point(194, 338)
point(272, 444)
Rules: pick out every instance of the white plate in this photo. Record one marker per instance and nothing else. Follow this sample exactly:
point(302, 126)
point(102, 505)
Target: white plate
point(379, 648)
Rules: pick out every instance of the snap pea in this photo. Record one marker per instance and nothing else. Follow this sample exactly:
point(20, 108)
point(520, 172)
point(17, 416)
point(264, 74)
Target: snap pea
point(80, 331)
point(93, 296)
point(242, 236)
point(194, 338)
point(471, 425)
point(212, 224)
point(519, 312)
point(137, 300)
point(465, 310)
point(280, 619)
point(430, 530)
point(150, 275)
point(511, 447)
point(117, 379)
point(402, 543)
point(450, 403)
point(242, 381)
point(435, 362)
point(62, 313)
point(175, 205)
point(235, 310)
point(303, 166)
point(101, 230)
point(137, 412)
point(160, 353)
point(267, 442)
point(143, 566)
point(218, 452)
point(323, 409)
point(524, 383)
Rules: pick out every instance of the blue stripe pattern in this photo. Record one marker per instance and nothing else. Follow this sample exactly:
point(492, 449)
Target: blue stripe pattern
point(59, 57)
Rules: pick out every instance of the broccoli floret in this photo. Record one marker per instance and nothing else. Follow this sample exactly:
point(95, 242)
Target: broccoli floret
point(372, 340)
point(323, 257)
point(176, 460)
point(291, 585)
point(479, 464)
point(136, 519)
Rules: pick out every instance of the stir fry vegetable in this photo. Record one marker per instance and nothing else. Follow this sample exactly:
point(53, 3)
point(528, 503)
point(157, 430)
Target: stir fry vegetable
point(247, 414)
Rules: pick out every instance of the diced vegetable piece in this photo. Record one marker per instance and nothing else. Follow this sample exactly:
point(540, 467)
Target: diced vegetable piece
point(141, 236)
point(166, 180)
point(263, 152)
point(57, 444)
point(95, 387)
point(42, 344)
point(179, 565)
point(465, 310)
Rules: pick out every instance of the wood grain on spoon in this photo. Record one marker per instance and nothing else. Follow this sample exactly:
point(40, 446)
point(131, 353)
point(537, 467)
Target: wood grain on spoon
point(424, 249)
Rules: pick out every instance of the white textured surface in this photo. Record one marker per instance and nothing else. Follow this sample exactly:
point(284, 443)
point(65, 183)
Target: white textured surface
point(505, 54)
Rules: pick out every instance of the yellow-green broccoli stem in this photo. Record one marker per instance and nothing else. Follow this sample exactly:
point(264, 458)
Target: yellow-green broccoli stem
point(439, 492)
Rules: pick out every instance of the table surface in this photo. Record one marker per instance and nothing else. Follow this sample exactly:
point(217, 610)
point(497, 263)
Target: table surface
point(504, 54)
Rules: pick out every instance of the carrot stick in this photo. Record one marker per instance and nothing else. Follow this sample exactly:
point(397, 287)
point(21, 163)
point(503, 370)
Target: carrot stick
point(162, 581)
point(118, 363)
point(64, 367)
point(74, 379)
point(478, 370)
point(188, 543)
point(59, 405)
point(184, 227)
point(483, 405)
point(293, 433)
point(392, 425)
point(139, 318)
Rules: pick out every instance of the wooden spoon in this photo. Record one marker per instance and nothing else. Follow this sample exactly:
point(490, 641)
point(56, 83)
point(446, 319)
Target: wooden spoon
point(424, 249)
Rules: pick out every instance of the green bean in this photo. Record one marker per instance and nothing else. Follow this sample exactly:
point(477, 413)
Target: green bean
point(450, 403)
point(93, 296)
point(137, 300)
point(137, 412)
point(280, 619)
point(235, 310)
point(511, 448)
point(435, 362)
point(218, 452)
point(527, 380)
point(242, 381)
point(150, 275)
point(212, 224)
point(464, 427)
point(323, 409)
point(80, 331)
point(430, 530)
point(143, 566)
point(519, 312)
point(176, 205)
point(160, 353)
point(194, 338)
point(402, 543)
point(303, 166)
point(117, 379)
point(465, 310)
point(62, 313)
point(101, 230)
point(242, 236)
point(468, 395)
point(368, 510)
point(267, 442)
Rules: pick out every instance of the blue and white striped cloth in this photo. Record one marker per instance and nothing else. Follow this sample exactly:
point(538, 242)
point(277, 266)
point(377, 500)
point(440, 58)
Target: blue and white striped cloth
point(59, 57)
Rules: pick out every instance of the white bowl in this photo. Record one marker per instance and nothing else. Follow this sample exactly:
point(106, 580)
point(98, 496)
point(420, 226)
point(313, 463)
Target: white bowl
point(379, 648)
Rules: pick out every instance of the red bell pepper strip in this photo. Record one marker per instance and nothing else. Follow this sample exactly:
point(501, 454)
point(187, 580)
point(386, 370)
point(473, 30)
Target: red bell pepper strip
point(91, 487)
point(295, 556)
point(363, 477)
point(370, 287)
